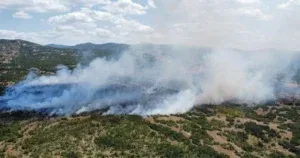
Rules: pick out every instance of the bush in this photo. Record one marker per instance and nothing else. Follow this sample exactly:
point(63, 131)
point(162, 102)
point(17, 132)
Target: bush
point(113, 142)
point(10, 132)
point(260, 131)
point(168, 132)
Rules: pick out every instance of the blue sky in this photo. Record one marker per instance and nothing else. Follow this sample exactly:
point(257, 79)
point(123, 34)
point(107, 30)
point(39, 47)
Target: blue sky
point(246, 24)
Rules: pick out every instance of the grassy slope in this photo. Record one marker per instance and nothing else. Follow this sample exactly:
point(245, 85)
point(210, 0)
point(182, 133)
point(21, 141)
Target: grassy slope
point(212, 131)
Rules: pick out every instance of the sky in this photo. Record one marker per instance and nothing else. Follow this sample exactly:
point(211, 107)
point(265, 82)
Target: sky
point(241, 24)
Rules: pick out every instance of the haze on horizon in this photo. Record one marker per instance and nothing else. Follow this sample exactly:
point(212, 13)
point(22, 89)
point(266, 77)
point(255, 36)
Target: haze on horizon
point(243, 24)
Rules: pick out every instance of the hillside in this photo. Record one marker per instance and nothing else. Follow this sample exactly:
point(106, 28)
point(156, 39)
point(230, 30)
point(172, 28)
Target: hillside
point(91, 50)
point(226, 130)
point(209, 131)
point(18, 56)
point(92, 46)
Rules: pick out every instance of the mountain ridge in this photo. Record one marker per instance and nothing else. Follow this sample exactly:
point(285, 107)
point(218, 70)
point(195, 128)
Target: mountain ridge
point(88, 45)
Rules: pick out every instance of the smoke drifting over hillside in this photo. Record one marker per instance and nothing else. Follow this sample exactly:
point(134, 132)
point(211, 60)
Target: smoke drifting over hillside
point(155, 80)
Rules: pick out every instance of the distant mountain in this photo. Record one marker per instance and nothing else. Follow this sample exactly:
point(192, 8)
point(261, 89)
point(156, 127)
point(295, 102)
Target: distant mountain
point(86, 46)
point(18, 56)
point(57, 46)
point(105, 46)
point(111, 47)
point(10, 50)
point(91, 50)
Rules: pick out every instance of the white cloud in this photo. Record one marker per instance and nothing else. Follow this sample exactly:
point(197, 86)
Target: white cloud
point(125, 7)
point(89, 17)
point(91, 3)
point(22, 15)
point(35, 5)
point(247, 1)
point(83, 29)
point(67, 29)
point(71, 17)
point(42, 6)
point(254, 12)
point(217, 23)
point(9, 34)
point(38, 37)
point(288, 4)
point(88, 24)
point(151, 3)
point(84, 15)
point(100, 15)
point(132, 26)
point(103, 33)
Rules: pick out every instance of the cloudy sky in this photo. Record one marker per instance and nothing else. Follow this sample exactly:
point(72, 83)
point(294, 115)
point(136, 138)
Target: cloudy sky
point(246, 24)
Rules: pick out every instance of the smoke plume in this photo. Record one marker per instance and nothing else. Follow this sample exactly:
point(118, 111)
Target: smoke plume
point(148, 80)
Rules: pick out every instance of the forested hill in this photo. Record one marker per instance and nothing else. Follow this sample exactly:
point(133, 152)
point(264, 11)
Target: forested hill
point(96, 50)
point(17, 57)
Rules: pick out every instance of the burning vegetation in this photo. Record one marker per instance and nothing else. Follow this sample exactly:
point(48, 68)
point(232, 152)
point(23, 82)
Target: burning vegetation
point(161, 103)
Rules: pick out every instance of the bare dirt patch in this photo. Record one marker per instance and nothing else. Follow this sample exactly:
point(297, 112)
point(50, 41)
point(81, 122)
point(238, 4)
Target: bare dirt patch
point(218, 118)
point(150, 119)
point(220, 149)
point(279, 148)
point(170, 118)
point(232, 129)
point(216, 137)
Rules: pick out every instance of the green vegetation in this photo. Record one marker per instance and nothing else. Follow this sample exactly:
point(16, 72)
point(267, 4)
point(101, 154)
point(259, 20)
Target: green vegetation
point(261, 131)
point(45, 60)
point(183, 135)
point(207, 131)
point(9, 132)
point(294, 143)
point(103, 136)
point(22, 56)
point(230, 111)
point(240, 139)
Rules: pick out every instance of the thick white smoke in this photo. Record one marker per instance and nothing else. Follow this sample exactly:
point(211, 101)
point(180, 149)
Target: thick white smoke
point(156, 80)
